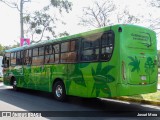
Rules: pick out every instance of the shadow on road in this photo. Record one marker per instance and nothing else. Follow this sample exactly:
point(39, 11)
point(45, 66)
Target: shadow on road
point(43, 101)
point(30, 100)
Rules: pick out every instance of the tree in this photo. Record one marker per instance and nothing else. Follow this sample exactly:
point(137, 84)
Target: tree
point(98, 14)
point(42, 25)
point(1, 50)
point(154, 23)
point(62, 4)
point(38, 23)
point(125, 17)
point(155, 3)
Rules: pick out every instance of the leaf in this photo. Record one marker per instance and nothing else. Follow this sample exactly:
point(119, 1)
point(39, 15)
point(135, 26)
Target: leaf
point(107, 90)
point(83, 65)
point(135, 63)
point(109, 79)
point(107, 69)
point(79, 79)
point(93, 72)
point(94, 87)
point(131, 58)
point(97, 92)
point(99, 68)
point(68, 84)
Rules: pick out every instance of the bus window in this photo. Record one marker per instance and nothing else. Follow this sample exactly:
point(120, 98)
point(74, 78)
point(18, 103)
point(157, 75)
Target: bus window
point(35, 52)
point(90, 49)
point(72, 55)
point(18, 59)
point(13, 58)
point(56, 48)
point(68, 52)
point(107, 45)
point(73, 46)
point(65, 46)
point(48, 49)
point(49, 55)
point(41, 50)
point(56, 52)
point(38, 56)
point(27, 57)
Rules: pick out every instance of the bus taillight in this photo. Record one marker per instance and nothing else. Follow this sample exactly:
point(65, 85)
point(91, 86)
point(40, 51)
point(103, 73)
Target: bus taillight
point(123, 71)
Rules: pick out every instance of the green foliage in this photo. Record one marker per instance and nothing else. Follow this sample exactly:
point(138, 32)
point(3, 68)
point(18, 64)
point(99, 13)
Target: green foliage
point(62, 4)
point(1, 50)
point(135, 63)
point(41, 22)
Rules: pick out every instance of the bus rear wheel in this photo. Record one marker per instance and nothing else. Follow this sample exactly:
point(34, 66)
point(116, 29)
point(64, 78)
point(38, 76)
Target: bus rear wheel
point(59, 91)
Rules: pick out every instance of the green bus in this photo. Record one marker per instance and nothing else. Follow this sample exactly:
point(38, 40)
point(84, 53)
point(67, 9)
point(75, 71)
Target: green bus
point(119, 60)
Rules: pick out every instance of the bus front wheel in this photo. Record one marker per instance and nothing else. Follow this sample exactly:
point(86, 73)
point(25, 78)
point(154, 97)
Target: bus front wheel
point(14, 84)
point(59, 91)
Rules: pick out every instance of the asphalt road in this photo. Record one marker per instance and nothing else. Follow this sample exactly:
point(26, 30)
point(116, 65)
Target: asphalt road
point(75, 107)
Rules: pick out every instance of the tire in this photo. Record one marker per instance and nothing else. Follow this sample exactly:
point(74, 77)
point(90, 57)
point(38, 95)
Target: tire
point(14, 84)
point(59, 91)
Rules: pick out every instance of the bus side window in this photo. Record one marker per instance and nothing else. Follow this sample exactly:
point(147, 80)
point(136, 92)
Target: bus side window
point(18, 59)
point(13, 58)
point(35, 56)
point(68, 52)
point(107, 46)
point(90, 48)
point(65, 46)
point(72, 54)
point(27, 57)
point(49, 55)
point(56, 50)
point(7, 62)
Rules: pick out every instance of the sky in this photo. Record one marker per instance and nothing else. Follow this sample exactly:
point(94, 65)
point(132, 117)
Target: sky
point(10, 23)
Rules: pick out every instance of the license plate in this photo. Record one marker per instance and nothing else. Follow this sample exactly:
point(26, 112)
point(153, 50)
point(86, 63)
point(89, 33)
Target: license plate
point(143, 78)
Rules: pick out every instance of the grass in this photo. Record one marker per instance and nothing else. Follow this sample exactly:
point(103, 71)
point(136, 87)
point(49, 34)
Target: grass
point(150, 96)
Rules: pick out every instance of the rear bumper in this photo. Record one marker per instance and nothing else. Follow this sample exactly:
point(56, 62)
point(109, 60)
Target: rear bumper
point(127, 89)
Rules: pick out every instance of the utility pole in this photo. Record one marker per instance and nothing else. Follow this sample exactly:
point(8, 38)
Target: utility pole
point(21, 18)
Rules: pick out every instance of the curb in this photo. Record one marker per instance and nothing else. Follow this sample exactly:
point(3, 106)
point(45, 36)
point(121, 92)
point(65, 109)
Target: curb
point(157, 103)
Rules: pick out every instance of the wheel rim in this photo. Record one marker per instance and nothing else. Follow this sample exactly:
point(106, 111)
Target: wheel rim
point(59, 91)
